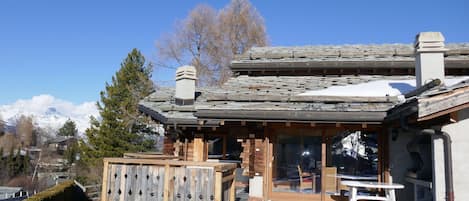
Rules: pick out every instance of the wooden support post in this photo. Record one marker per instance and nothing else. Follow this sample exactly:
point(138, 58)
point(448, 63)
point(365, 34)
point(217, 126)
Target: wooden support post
point(200, 150)
point(105, 185)
point(268, 164)
point(323, 166)
point(167, 176)
point(224, 147)
point(218, 186)
point(387, 173)
point(186, 149)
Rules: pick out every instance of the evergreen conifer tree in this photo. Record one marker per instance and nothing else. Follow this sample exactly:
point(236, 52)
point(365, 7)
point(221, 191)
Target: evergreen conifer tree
point(121, 128)
point(10, 164)
point(25, 166)
point(68, 129)
point(2, 163)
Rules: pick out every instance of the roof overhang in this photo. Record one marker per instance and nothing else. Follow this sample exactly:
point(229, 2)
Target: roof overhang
point(305, 64)
point(192, 122)
point(442, 104)
point(297, 115)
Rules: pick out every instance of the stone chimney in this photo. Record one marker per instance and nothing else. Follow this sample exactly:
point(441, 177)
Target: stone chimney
point(429, 57)
point(185, 85)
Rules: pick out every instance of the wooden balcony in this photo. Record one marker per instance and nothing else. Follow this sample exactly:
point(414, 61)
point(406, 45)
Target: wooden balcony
point(167, 180)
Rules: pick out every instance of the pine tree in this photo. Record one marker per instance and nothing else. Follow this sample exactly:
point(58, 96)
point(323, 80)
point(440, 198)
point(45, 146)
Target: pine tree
point(122, 127)
point(71, 152)
point(10, 164)
point(68, 129)
point(2, 163)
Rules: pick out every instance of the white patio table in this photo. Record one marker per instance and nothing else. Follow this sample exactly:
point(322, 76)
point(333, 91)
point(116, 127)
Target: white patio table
point(389, 189)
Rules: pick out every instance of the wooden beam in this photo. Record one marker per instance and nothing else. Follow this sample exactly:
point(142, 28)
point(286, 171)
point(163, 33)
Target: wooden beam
point(312, 124)
point(444, 112)
point(214, 128)
point(364, 125)
point(454, 117)
point(222, 122)
point(264, 123)
point(243, 123)
point(287, 124)
point(337, 125)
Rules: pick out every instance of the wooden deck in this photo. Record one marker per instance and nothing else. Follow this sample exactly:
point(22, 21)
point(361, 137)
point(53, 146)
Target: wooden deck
point(167, 180)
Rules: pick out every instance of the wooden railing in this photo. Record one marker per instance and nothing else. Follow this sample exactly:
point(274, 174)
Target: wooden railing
point(167, 180)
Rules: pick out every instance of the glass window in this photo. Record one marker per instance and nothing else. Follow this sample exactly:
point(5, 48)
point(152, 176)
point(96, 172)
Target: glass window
point(297, 164)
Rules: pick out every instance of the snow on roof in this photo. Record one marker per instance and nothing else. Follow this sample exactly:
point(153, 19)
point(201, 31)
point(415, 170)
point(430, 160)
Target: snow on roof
point(378, 88)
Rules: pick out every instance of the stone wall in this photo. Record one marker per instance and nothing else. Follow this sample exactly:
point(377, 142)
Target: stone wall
point(459, 133)
point(399, 163)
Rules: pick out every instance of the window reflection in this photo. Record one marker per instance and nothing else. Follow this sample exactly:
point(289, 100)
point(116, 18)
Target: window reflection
point(355, 153)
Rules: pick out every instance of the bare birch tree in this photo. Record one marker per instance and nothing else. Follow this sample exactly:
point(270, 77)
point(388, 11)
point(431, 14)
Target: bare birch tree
point(241, 28)
point(192, 42)
point(208, 39)
point(24, 130)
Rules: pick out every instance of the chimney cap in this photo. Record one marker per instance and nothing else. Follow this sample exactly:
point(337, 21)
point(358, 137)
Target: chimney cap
point(186, 72)
point(430, 42)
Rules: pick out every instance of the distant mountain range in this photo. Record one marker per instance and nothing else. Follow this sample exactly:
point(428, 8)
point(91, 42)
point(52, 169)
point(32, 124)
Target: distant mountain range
point(49, 112)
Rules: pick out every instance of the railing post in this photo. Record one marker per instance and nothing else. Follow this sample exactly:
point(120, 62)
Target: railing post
point(105, 179)
point(218, 186)
point(232, 187)
point(166, 182)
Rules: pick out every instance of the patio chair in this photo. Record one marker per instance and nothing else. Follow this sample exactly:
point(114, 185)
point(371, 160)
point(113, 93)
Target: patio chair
point(307, 181)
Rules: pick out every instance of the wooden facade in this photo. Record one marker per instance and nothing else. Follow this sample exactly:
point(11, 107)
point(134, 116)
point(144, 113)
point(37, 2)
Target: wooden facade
point(293, 145)
point(259, 145)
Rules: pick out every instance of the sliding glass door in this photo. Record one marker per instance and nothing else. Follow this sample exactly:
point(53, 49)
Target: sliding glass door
point(296, 164)
point(309, 164)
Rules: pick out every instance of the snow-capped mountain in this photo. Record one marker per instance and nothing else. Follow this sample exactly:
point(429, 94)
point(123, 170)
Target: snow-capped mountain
point(49, 112)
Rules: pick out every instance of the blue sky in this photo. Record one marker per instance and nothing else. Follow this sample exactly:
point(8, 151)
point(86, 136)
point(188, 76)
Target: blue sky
point(69, 49)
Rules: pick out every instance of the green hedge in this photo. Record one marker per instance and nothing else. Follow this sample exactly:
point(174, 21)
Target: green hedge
point(67, 190)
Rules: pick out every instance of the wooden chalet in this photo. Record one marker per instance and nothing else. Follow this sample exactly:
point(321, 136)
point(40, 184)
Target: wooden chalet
point(289, 118)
